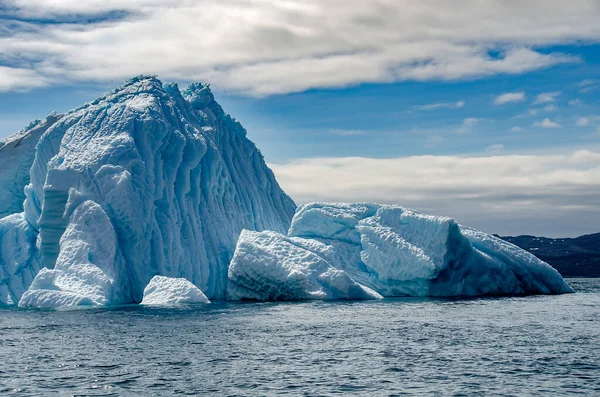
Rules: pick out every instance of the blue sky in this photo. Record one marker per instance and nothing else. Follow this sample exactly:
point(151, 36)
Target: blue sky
point(316, 84)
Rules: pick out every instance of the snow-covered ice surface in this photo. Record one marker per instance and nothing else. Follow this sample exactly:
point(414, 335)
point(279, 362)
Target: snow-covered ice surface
point(163, 290)
point(270, 266)
point(144, 181)
point(381, 249)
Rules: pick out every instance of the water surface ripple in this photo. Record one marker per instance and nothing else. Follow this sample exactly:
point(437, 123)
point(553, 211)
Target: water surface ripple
point(494, 347)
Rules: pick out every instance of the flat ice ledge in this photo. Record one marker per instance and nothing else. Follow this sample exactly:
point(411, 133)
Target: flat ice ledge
point(365, 251)
point(172, 291)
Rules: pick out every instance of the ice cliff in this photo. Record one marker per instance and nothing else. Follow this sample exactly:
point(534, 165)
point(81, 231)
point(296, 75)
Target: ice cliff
point(144, 181)
point(364, 251)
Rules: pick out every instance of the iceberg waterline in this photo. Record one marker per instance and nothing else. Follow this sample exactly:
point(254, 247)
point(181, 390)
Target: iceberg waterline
point(151, 181)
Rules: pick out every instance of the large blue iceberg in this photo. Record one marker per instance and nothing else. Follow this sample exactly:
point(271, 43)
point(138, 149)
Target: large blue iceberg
point(152, 181)
point(144, 181)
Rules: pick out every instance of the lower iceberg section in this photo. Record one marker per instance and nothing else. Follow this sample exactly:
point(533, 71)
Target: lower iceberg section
point(87, 265)
point(365, 251)
point(269, 266)
point(163, 290)
point(19, 258)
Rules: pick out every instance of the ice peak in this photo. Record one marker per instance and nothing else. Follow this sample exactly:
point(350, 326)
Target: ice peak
point(199, 95)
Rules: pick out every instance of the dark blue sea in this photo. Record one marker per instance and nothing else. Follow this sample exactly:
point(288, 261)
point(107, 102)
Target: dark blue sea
point(528, 346)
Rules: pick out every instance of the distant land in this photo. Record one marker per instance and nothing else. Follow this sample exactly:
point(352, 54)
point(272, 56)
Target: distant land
point(572, 257)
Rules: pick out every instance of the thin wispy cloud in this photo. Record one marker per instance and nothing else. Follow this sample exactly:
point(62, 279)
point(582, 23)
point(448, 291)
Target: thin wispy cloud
point(546, 97)
point(343, 132)
point(588, 85)
point(250, 47)
point(509, 97)
point(585, 121)
point(546, 123)
point(434, 140)
point(495, 148)
point(500, 193)
point(517, 129)
point(550, 108)
point(467, 125)
point(440, 105)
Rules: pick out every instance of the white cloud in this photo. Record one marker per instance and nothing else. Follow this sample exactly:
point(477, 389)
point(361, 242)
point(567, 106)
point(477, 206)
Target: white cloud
point(546, 123)
point(441, 105)
point(510, 194)
point(16, 79)
point(516, 129)
point(495, 148)
point(467, 125)
point(509, 97)
point(546, 97)
point(588, 85)
point(575, 102)
point(583, 121)
point(434, 140)
point(277, 46)
point(549, 108)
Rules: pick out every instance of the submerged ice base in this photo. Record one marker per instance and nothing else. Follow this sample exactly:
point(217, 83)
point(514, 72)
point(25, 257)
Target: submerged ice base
point(382, 250)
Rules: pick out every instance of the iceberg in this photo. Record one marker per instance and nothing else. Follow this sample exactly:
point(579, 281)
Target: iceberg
point(16, 157)
point(172, 291)
point(146, 180)
point(268, 266)
point(366, 250)
point(19, 258)
point(155, 195)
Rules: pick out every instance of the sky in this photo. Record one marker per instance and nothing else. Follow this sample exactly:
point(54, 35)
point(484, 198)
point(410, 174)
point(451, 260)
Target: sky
point(488, 112)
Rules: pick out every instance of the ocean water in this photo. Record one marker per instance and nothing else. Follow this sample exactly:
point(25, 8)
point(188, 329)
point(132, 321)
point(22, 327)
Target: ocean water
point(523, 346)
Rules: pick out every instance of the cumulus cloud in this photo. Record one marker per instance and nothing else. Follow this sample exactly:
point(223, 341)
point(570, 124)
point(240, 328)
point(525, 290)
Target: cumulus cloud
point(546, 97)
point(546, 123)
point(508, 194)
point(441, 105)
point(509, 97)
point(268, 47)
